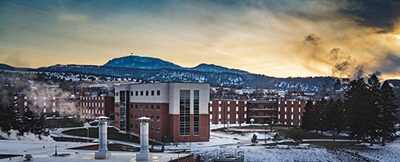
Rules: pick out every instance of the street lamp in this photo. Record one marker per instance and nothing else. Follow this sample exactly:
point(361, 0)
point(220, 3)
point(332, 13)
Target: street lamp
point(87, 134)
point(252, 120)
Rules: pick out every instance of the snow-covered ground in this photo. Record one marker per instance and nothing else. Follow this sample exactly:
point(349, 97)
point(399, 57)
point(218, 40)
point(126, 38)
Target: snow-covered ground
point(227, 143)
point(219, 144)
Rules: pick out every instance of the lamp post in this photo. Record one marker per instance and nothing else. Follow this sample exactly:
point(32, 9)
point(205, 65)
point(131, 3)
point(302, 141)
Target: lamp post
point(87, 134)
point(265, 134)
point(252, 120)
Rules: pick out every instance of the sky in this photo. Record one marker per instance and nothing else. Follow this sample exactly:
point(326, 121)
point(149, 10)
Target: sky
point(281, 38)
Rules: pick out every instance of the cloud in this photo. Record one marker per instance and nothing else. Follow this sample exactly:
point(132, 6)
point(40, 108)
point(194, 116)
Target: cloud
point(278, 38)
point(380, 14)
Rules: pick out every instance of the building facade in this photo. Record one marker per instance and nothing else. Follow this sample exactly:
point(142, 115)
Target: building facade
point(276, 111)
point(49, 106)
point(93, 107)
point(178, 111)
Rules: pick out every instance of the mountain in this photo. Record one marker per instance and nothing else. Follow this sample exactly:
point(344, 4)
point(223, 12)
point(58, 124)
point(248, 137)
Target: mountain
point(154, 69)
point(141, 63)
point(217, 69)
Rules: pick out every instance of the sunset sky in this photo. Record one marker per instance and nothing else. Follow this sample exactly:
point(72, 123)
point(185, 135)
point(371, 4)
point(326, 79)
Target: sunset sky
point(278, 38)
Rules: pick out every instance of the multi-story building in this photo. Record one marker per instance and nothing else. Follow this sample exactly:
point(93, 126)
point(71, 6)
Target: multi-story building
point(50, 106)
point(92, 107)
point(274, 111)
point(178, 111)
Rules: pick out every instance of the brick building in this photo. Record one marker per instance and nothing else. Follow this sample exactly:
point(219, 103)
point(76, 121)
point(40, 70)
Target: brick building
point(92, 107)
point(275, 111)
point(178, 111)
point(50, 106)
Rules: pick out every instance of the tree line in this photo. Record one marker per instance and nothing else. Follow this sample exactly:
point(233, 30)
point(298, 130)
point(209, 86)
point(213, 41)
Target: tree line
point(366, 111)
point(30, 121)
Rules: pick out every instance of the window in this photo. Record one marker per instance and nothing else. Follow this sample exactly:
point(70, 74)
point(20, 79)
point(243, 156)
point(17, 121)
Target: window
point(131, 93)
point(196, 112)
point(136, 106)
point(158, 93)
point(184, 112)
point(136, 93)
point(136, 117)
point(147, 107)
point(152, 128)
point(141, 107)
point(152, 93)
point(116, 94)
point(131, 115)
point(147, 93)
point(141, 93)
point(131, 126)
point(158, 107)
point(136, 126)
point(158, 129)
point(152, 118)
point(131, 106)
point(210, 112)
point(158, 118)
point(152, 107)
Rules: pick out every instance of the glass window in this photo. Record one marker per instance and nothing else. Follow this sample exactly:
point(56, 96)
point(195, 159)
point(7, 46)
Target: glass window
point(158, 118)
point(152, 93)
point(147, 107)
point(158, 107)
point(196, 112)
point(147, 93)
point(131, 93)
point(184, 112)
point(152, 107)
point(136, 93)
point(158, 93)
point(141, 93)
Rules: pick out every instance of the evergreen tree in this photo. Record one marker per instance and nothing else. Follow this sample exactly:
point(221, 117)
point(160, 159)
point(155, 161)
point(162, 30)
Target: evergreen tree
point(335, 116)
point(359, 108)
point(8, 114)
point(320, 114)
point(309, 119)
point(387, 111)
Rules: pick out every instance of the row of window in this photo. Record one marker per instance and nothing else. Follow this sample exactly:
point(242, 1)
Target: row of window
point(146, 93)
point(137, 106)
point(157, 118)
point(237, 112)
point(151, 129)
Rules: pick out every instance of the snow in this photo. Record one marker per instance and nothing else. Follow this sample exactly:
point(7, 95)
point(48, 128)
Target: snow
point(220, 144)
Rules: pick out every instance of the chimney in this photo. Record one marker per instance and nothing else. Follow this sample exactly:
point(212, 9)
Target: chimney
point(103, 151)
point(144, 154)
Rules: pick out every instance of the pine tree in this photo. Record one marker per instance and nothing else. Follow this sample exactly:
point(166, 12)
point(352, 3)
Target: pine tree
point(8, 115)
point(387, 111)
point(308, 119)
point(358, 105)
point(320, 114)
point(334, 118)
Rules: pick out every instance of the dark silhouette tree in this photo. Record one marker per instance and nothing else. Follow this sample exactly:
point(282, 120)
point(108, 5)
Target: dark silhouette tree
point(309, 119)
point(387, 112)
point(8, 112)
point(359, 109)
point(334, 117)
